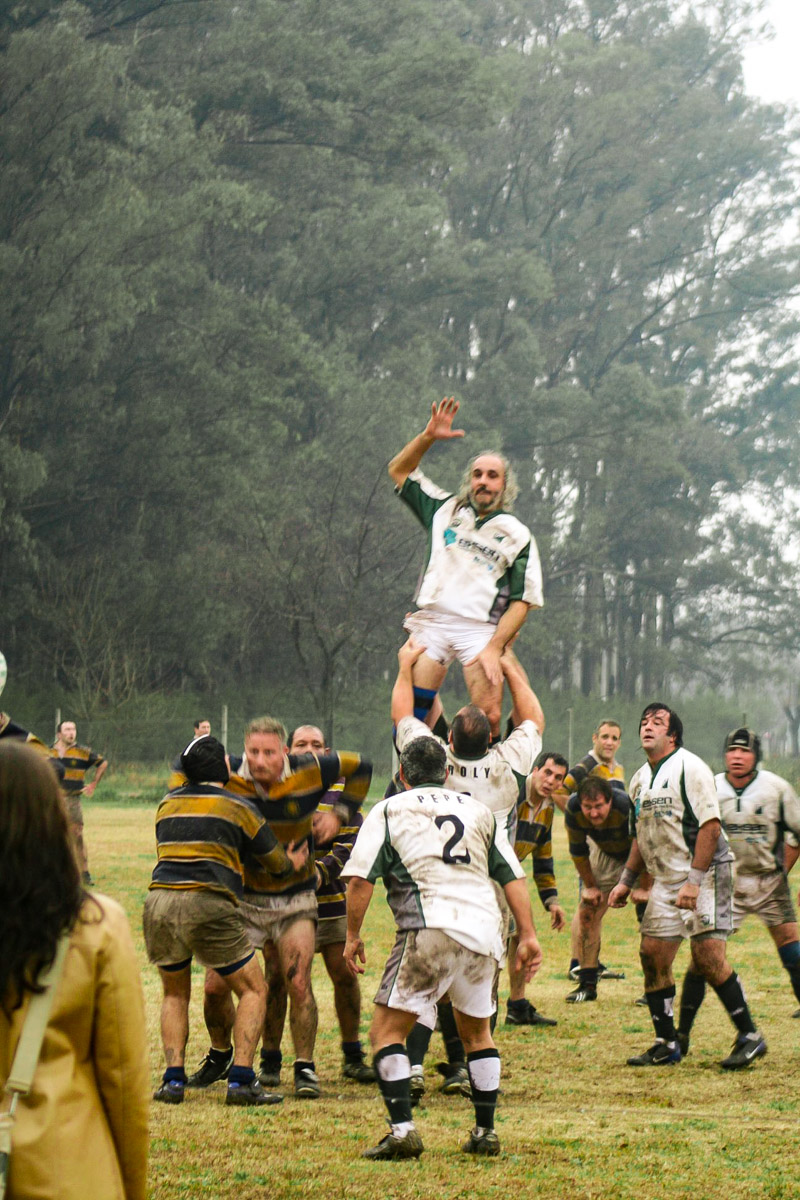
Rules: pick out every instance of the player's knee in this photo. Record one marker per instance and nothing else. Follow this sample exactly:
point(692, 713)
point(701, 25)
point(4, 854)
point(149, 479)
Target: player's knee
point(649, 968)
point(298, 982)
point(215, 987)
point(587, 916)
point(423, 702)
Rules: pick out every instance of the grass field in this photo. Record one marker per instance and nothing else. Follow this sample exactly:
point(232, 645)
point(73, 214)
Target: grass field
point(574, 1121)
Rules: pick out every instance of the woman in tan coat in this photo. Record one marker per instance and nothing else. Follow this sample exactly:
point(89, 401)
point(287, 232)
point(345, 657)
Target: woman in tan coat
point(81, 1133)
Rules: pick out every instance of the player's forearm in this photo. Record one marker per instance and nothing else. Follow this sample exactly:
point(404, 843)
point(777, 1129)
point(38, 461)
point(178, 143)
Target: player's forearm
point(359, 894)
point(409, 458)
point(509, 624)
point(355, 773)
point(790, 856)
point(403, 694)
point(584, 872)
point(100, 772)
point(635, 861)
point(525, 702)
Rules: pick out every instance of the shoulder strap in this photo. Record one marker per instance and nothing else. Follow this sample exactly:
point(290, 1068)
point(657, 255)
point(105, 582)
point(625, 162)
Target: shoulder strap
point(39, 1007)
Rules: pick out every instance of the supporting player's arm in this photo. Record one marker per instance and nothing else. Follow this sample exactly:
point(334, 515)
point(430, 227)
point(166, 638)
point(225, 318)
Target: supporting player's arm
point(439, 428)
point(403, 690)
point(359, 895)
point(526, 706)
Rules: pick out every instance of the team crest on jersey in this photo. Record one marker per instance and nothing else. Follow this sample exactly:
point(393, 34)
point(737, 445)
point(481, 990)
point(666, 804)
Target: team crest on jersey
point(292, 809)
point(449, 537)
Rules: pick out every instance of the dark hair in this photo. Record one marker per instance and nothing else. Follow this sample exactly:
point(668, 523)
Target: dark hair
point(471, 732)
point(675, 727)
point(558, 759)
point(200, 721)
point(66, 721)
point(203, 761)
point(593, 786)
point(41, 892)
point(424, 761)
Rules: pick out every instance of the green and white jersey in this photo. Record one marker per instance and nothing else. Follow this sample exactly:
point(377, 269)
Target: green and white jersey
point(437, 852)
point(670, 803)
point(475, 566)
point(757, 819)
point(497, 779)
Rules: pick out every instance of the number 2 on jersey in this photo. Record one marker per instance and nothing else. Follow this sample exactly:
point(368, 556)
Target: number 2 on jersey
point(452, 842)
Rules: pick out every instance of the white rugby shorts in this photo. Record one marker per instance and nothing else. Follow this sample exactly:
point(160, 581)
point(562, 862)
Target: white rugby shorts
point(426, 963)
point(446, 637)
point(712, 916)
point(768, 896)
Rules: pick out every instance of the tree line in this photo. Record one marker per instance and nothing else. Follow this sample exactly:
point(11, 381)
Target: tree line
point(243, 248)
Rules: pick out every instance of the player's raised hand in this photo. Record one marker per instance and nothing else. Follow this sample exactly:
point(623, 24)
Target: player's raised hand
point(440, 426)
point(409, 652)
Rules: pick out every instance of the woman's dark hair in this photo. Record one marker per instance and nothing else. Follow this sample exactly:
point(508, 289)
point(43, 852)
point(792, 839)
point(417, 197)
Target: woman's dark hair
point(41, 892)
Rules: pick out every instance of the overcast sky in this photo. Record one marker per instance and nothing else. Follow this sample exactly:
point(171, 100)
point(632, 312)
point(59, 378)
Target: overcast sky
point(771, 69)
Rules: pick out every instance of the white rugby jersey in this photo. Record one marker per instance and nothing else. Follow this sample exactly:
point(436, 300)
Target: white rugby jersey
point(437, 853)
point(757, 819)
point(497, 779)
point(670, 804)
point(476, 565)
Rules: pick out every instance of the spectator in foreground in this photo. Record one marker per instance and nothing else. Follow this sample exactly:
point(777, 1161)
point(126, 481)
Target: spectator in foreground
point(82, 1130)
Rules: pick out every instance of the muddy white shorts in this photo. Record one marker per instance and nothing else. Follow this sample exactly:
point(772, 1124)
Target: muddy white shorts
point(426, 963)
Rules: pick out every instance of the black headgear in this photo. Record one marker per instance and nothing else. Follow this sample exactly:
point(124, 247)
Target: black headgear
point(744, 739)
point(203, 761)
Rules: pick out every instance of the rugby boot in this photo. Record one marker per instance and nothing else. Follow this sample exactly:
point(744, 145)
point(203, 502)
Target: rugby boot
point(394, 1147)
point(251, 1094)
point(170, 1092)
point(746, 1049)
point(609, 973)
point(456, 1079)
point(527, 1015)
point(582, 994)
point(482, 1141)
point(660, 1054)
point(210, 1071)
point(358, 1069)
point(306, 1084)
point(416, 1086)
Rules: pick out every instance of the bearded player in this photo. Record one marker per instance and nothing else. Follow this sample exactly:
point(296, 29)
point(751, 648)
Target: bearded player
point(482, 573)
